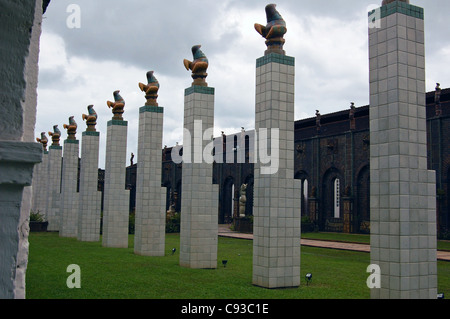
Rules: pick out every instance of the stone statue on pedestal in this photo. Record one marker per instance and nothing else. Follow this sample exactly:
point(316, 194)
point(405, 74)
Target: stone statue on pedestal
point(242, 200)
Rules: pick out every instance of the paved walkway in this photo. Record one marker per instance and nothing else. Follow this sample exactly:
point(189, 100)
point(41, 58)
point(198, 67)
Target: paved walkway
point(224, 231)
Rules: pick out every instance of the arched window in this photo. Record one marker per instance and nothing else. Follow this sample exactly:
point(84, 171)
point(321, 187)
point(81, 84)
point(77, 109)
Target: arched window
point(336, 198)
point(304, 199)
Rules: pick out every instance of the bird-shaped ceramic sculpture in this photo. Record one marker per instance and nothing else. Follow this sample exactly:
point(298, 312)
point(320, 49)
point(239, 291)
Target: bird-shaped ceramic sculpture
point(273, 31)
point(56, 135)
point(71, 128)
point(43, 140)
point(117, 106)
point(198, 66)
point(150, 89)
point(90, 118)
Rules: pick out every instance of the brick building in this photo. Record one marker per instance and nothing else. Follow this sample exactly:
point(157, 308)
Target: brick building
point(331, 159)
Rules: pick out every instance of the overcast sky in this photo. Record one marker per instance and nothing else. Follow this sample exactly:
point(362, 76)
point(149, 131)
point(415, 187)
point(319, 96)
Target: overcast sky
point(117, 42)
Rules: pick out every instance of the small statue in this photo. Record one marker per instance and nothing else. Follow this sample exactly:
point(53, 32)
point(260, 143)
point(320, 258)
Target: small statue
point(91, 119)
point(437, 94)
point(318, 118)
point(437, 99)
point(56, 135)
point(172, 208)
point(242, 200)
point(117, 106)
point(43, 140)
point(347, 191)
point(198, 66)
point(71, 128)
point(150, 89)
point(131, 159)
point(274, 31)
point(352, 116)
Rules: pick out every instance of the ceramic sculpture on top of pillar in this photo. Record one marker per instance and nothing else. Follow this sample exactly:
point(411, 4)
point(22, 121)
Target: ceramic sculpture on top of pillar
point(90, 197)
point(54, 180)
point(276, 228)
point(273, 31)
point(402, 189)
point(199, 228)
point(116, 197)
point(150, 220)
point(69, 181)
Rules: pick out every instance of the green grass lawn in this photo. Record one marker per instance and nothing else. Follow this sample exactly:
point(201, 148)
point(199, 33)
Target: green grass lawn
point(358, 238)
point(117, 273)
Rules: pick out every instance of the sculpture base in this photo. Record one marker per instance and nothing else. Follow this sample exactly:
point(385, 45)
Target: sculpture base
point(275, 45)
point(200, 79)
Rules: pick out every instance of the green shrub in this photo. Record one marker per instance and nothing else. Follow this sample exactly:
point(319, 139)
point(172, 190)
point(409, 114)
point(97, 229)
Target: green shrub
point(173, 221)
point(307, 225)
point(36, 216)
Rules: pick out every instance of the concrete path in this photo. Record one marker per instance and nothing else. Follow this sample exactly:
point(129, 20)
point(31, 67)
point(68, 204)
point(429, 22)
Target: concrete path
point(224, 231)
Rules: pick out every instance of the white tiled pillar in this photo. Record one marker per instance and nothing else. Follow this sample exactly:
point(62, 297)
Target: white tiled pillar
point(402, 189)
point(116, 198)
point(69, 194)
point(199, 200)
point(150, 222)
point(40, 187)
point(54, 187)
point(276, 228)
point(90, 197)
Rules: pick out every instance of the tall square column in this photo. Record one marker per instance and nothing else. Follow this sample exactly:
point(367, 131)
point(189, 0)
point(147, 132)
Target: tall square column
point(90, 197)
point(116, 198)
point(40, 181)
point(276, 228)
point(199, 200)
point(54, 181)
point(402, 189)
point(150, 222)
point(69, 182)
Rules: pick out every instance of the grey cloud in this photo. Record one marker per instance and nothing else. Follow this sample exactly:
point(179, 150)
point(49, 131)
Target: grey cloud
point(140, 33)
